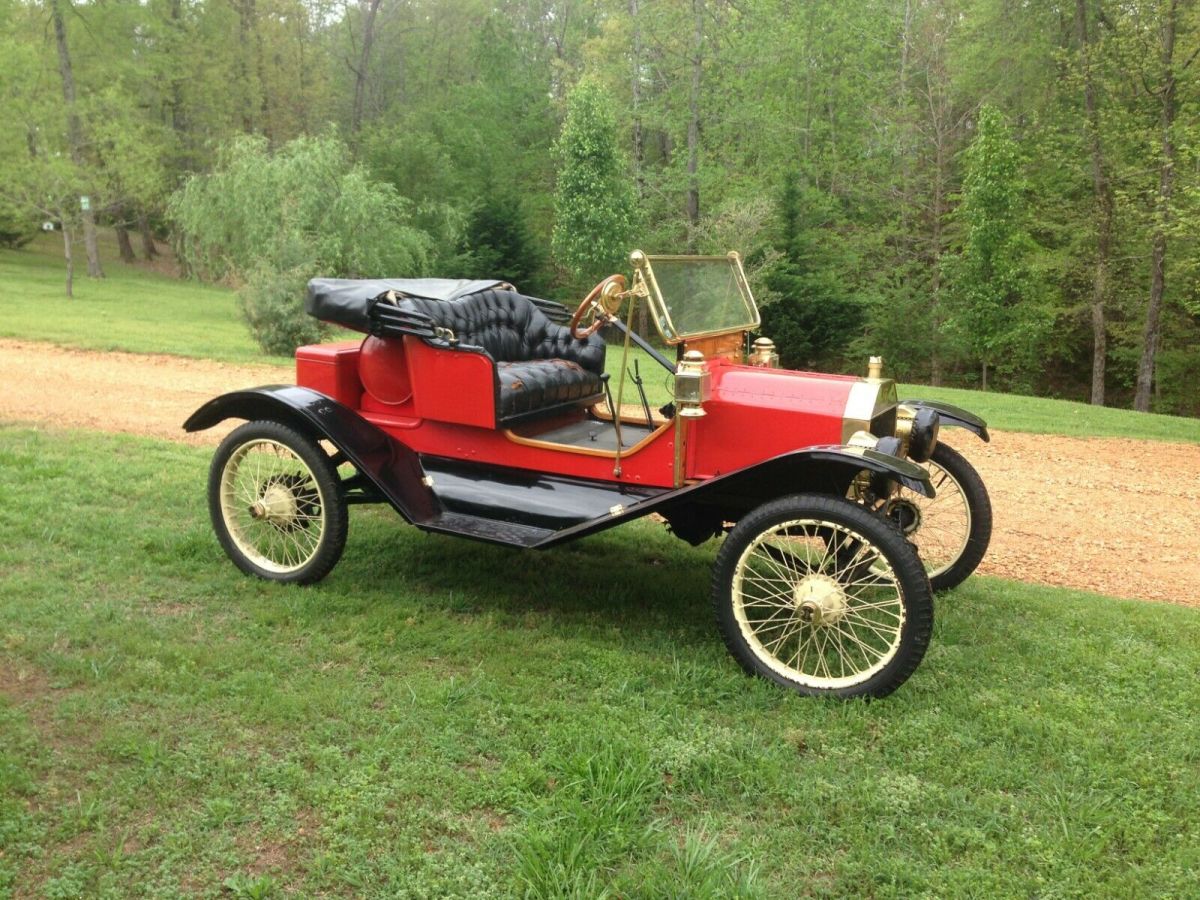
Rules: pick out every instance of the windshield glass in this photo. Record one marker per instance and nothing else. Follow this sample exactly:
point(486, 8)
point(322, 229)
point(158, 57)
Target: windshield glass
point(696, 296)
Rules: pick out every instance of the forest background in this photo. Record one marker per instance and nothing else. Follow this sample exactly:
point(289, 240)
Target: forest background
point(990, 193)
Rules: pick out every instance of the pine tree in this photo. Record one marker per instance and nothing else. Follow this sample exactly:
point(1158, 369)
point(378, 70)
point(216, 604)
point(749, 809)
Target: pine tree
point(814, 316)
point(497, 243)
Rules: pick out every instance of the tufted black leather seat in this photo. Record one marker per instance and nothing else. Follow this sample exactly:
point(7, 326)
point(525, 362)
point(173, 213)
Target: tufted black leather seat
point(539, 365)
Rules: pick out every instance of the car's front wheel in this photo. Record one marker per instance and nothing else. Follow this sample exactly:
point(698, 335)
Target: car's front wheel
point(952, 529)
point(822, 596)
point(276, 503)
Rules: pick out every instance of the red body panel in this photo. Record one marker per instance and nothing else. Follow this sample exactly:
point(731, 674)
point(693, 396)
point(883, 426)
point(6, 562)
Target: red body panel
point(442, 403)
point(331, 369)
point(452, 385)
point(756, 413)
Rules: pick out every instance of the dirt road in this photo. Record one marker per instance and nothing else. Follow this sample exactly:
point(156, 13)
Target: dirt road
point(1103, 514)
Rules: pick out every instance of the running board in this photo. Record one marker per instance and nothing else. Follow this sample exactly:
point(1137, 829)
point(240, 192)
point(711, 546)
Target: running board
point(519, 507)
point(494, 531)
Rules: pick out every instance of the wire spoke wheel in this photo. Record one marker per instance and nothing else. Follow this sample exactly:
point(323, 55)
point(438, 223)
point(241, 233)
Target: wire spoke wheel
point(276, 503)
point(821, 595)
point(272, 505)
point(952, 529)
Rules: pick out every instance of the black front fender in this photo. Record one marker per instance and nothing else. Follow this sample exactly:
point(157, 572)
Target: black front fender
point(953, 415)
point(822, 470)
point(387, 463)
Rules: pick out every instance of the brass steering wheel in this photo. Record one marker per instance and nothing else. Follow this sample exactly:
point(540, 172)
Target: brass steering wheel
point(596, 302)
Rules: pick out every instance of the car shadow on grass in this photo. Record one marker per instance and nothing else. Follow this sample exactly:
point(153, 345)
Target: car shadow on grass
point(637, 577)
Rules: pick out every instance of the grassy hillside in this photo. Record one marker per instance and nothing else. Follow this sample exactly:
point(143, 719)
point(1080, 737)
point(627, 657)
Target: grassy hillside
point(442, 718)
point(131, 309)
point(144, 312)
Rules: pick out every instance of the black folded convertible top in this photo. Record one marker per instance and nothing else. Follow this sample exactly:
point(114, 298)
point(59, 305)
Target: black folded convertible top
point(347, 300)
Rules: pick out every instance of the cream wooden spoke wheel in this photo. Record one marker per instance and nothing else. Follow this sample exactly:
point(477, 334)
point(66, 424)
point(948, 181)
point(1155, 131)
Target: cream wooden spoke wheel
point(952, 529)
point(824, 596)
point(276, 503)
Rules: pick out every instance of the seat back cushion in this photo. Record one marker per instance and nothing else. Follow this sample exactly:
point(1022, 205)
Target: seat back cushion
point(510, 328)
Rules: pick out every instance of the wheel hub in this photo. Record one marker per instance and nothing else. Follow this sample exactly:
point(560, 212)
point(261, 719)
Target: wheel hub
point(819, 600)
point(906, 514)
point(277, 505)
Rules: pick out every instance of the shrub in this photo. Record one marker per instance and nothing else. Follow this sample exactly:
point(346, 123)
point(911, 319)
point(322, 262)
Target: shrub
point(15, 230)
point(277, 321)
point(270, 219)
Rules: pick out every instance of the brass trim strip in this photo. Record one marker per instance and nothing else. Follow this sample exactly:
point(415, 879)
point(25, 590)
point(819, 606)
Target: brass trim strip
point(867, 399)
point(621, 387)
point(684, 257)
point(631, 414)
point(680, 448)
point(585, 451)
point(658, 305)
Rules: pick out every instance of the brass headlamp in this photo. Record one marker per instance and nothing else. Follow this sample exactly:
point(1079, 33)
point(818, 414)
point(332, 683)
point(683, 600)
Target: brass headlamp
point(763, 354)
point(692, 385)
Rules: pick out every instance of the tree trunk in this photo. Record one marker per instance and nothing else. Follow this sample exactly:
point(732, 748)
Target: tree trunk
point(983, 385)
point(1162, 217)
point(123, 244)
point(1103, 196)
point(74, 132)
point(90, 245)
point(246, 16)
point(70, 259)
point(176, 102)
point(693, 131)
point(370, 7)
point(149, 251)
point(938, 214)
point(940, 130)
point(635, 85)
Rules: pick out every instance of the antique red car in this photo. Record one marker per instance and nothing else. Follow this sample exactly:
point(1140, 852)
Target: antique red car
point(477, 411)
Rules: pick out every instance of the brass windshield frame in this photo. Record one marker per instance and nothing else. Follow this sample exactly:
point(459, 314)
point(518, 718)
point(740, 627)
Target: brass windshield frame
point(644, 272)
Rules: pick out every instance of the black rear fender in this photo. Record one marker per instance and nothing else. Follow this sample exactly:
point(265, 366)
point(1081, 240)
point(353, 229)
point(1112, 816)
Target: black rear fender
point(953, 416)
point(389, 465)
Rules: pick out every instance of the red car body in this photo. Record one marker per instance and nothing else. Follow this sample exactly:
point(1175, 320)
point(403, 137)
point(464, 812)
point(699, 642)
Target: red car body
point(438, 402)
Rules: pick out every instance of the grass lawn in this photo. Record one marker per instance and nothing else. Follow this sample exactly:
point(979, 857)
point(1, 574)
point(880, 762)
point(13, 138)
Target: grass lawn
point(1041, 415)
point(130, 309)
point(143, 312)
point(443, 718)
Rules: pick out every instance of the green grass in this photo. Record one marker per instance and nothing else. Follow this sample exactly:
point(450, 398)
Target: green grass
point(131, 309)
point(1041, 415)
point(443, 718)
point(142, 312)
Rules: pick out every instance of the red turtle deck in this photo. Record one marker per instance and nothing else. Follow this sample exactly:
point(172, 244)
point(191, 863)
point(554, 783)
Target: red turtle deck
point(477, 411)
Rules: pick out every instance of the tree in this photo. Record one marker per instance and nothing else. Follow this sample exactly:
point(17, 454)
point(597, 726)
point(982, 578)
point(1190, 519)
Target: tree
point(995, 297)
point(1103, 195)
point(814, 315)
point(594, 200)
point(75, 137)
point(1168, 98)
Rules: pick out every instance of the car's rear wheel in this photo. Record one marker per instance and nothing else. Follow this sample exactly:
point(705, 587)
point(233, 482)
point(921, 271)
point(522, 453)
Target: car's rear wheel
point(276, 503)
point(951, 530)
point(821, 595)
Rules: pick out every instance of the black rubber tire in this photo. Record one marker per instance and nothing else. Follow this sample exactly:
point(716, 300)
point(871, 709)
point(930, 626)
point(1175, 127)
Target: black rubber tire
point(916, 596)
point(333, 539)
point(980, 533)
